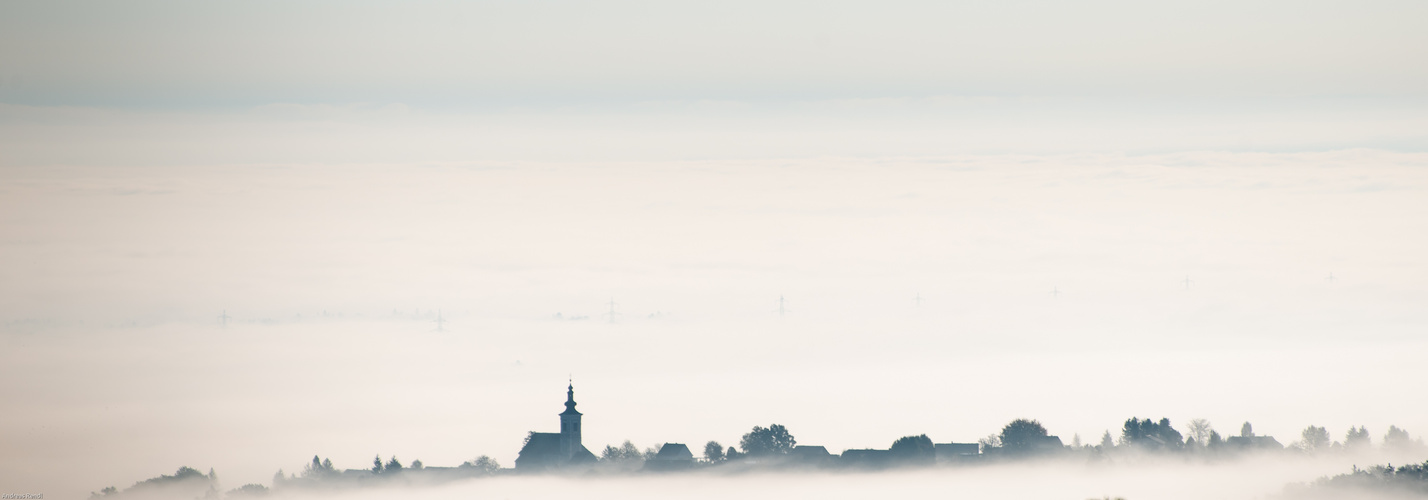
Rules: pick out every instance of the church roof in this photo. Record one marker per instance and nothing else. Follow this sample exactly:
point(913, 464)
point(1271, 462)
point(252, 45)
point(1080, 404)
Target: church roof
point(541, 449)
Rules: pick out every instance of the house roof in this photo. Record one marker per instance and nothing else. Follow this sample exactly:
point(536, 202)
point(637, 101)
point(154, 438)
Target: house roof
point(674, 451)
point(804, 450)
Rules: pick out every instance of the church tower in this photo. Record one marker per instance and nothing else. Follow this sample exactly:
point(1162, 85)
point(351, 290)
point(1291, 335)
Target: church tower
point(570, 426)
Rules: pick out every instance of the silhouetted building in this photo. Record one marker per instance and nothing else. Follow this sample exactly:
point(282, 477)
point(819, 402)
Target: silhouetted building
point(810, 455)
point(1050, 443)
point(867, 458)
point(1254, 442)
point(671, 456)
point(548, 450)
point(952, 452)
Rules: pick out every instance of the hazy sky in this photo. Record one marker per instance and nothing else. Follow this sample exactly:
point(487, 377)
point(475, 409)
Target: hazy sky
point(328, 174)
point(355, 82)
point(438, 54)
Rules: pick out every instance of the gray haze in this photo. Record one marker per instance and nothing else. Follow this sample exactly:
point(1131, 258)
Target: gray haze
point(327, 176)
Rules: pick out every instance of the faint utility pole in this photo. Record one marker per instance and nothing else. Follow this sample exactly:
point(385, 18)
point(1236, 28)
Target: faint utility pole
point(781, 308)
point(1187, 282)
point(439, 320)
point(1331, 279)
point(612, 312)
point(1055, 292)
point(223, 319)
point(917, 300)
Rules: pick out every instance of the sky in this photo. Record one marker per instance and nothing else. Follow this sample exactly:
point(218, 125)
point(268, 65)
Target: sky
point(1079, 212)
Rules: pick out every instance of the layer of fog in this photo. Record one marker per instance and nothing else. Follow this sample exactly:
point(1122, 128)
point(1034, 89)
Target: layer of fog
point(331, 276)
point(1243, 480)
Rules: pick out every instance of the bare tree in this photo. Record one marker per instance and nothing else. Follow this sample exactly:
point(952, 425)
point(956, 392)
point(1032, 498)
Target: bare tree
point(1200, 430)
point(991, 441)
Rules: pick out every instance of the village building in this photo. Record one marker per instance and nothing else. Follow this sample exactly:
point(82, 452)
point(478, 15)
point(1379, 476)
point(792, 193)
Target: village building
point(954, 452)
point(1255, 442)
point(671, 456)
point(810, 455)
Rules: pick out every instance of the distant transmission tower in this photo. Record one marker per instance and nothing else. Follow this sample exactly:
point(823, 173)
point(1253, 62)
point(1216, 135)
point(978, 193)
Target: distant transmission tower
point(1187, 282)
point(781, 309)
point(1331, 279)
point(611, 314)
point(1055, 292)
point(439, 320)
point(917, 300)
point(223, 319)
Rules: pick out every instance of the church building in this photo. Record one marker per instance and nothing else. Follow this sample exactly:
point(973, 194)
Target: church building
point(551, 450)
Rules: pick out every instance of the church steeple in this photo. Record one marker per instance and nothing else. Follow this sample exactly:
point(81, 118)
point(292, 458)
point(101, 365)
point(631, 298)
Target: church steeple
point(570, 425)
point(570, 398)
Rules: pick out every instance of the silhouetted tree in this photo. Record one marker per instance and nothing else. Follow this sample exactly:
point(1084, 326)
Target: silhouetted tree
point(376, 465)
point(1356, 438)
point(483, 464)
point(416, 464)
point(1215, 440)
point(1409, 481)
point(629, 451)
point(713, 451)
point(1151, 435)
point(1106, 442)
point(771, 440)
point(247, 490)
point(625, 453)
point(187, 482)
point(1022, 436)
point(1314, 438)
point(1396, 438)
point(318, 468)
point(1247, 430)
point(393, 465)
point(913, 449)
point(732, 454)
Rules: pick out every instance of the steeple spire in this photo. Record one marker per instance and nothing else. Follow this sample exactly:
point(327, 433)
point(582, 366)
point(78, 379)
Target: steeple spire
point(570, 397)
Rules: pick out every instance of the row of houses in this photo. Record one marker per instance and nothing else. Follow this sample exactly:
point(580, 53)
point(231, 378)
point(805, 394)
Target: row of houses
point(676, 456)
point(555, 450)
point(552, 450)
